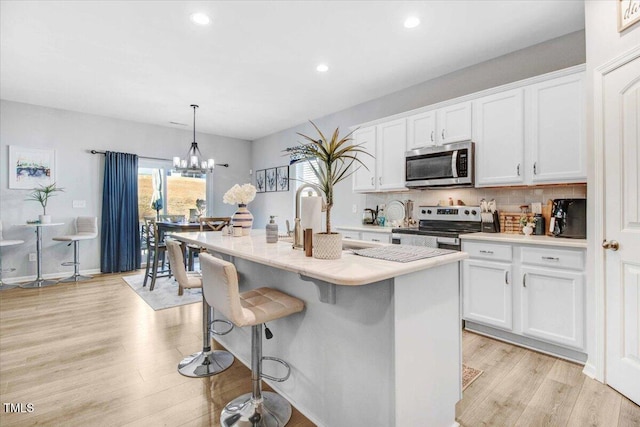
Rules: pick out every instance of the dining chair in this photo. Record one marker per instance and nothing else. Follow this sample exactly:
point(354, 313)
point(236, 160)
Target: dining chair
point(173, 218)
point(207, 223)
point(4, 243)
point(156, 249)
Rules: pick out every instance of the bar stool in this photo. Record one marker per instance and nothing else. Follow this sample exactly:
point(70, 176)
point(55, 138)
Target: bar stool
point(206, 362)
point(4, 243)
point(86, 229)
point(252, 308)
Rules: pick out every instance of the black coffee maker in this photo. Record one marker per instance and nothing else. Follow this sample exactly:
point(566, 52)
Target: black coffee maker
point(569, 218)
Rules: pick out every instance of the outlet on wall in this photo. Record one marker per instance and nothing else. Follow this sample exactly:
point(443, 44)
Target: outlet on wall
point(32, 257)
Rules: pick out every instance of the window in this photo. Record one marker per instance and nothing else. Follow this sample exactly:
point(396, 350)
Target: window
point(304, 173)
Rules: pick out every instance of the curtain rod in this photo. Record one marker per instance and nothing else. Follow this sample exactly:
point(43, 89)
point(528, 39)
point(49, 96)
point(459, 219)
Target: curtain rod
point(225, 165)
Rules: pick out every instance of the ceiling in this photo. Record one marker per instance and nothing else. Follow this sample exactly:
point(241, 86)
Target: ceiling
point(252, 70)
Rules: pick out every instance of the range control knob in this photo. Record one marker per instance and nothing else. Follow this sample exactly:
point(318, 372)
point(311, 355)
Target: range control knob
point(424, 212)
point(473, 212)
point(466, 212)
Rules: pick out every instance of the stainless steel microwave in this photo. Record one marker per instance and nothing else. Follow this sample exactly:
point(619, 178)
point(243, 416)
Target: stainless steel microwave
point(450, 165)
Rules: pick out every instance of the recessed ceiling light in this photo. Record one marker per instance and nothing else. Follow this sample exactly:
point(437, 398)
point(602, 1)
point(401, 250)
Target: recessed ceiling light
point(322, 68)
point(411, 22)
point(200, 18)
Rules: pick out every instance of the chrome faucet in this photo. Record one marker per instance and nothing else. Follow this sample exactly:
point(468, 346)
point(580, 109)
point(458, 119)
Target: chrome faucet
point(297, 227)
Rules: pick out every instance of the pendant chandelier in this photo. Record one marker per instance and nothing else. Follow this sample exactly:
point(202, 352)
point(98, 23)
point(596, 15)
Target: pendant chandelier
point(194, 163)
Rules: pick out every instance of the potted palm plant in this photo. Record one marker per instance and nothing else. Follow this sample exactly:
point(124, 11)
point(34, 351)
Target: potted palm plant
point(42, 195)
point(334, 158)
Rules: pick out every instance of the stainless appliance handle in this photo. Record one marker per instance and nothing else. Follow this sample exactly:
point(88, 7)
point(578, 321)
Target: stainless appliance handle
point(454, 241)
point(454, 164)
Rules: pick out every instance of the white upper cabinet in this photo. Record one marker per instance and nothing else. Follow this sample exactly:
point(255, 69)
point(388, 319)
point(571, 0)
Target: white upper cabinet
point(421, 130)
point(498, 130)
point(364, 177)
point(386, 143)
point(557, 130)
point(390, 149)
point(454, 123)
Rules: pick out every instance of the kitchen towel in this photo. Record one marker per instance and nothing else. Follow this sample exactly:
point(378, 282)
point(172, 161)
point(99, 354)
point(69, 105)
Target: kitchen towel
point(311, 213)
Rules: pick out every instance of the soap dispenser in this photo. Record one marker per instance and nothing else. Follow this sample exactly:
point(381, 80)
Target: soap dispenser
point(272, 230)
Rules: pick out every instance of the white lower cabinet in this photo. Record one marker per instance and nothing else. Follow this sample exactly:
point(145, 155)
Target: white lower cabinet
point(552, 305)
point(355, 235)
point(487, 295)
point(536, 294)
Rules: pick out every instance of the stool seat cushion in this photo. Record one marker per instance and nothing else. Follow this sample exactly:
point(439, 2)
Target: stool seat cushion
point(11, 242)
point(265, 304)
point(72, 237)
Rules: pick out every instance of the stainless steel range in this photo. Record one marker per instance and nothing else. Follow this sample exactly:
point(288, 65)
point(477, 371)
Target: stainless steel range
point(440, 227)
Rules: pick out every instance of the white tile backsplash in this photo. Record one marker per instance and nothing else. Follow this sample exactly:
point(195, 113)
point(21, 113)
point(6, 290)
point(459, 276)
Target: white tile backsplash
point(507, 199)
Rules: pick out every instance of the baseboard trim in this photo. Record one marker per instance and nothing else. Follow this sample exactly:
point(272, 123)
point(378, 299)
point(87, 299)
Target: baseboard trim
point(50, 276)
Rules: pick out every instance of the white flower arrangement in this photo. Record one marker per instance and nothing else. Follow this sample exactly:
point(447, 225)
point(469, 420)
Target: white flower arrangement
point(240, 194)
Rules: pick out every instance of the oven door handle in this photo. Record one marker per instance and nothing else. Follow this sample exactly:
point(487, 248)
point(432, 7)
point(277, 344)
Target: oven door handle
point(454, 164)
point(454, 241)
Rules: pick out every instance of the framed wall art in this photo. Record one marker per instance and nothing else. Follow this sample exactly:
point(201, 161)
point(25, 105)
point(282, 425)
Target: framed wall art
point(30, 167)
point(270, 179)
point(282, 178)
point(628, 13)
point(261, 181)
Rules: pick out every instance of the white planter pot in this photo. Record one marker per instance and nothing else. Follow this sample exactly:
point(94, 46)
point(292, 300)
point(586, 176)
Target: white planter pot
point(527, 230)
point(327, 246)
point(44, 219)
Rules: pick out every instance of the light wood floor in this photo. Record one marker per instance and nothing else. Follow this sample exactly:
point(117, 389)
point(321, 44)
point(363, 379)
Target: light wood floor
point(94, 354)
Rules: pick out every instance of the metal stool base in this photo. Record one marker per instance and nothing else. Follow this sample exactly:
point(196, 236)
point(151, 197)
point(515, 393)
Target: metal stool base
point(4, 286)
point(205, 364)
point(76, 278)
point(39, 284)
point(272, 411)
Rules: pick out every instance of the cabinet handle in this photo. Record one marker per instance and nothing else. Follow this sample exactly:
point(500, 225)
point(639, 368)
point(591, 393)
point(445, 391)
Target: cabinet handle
point(486, 252)
point(506, 277)
point(550, 258)
point(371, 181)
point(380, 180)
point(524, 280)
point(432, 132)
point(346, 237)
point(535, 170)
point(375, 240)
point(443, 134)
point(518, 169)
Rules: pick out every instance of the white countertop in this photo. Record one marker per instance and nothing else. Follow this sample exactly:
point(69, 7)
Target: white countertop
point(367, 228)
point(350, 270)
point(527, 240)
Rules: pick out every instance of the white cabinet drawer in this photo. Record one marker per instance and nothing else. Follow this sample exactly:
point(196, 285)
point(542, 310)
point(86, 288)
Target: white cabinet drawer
point(376, 237)
point(559, 258)
point(487, 251)
point(355, 235)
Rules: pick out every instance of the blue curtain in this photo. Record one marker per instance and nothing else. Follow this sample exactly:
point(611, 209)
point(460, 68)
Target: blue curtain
point(120, 226)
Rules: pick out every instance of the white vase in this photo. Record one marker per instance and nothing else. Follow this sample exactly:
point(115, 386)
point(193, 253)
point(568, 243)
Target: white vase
point(527, 230)
point(243, 218)
point(44, 219)
point(327, 246)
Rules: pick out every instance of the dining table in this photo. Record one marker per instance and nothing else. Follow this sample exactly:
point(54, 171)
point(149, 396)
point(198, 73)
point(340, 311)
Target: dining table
point(40, 282)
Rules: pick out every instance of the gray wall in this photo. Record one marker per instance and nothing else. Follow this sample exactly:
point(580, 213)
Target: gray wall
point(553, 55)
point(71, 135)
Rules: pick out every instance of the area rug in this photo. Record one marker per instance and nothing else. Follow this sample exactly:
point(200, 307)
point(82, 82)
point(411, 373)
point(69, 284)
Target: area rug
point(469, 375)
point(164, 294)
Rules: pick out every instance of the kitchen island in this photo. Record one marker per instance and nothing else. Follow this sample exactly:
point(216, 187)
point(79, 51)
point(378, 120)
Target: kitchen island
point(378, 344)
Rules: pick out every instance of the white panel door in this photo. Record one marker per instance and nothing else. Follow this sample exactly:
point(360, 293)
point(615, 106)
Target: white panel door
point(557, 124)
point(621, 109)
point(392, 140)
point(487, 294)
point(454, 123)
point(421, 130)
point(364, 177)
point(552, 303)
point(498, 131)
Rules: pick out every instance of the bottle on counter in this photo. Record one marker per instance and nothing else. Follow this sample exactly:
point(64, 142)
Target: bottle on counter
point(272, 230)
point(381, 216)
point(540, 225)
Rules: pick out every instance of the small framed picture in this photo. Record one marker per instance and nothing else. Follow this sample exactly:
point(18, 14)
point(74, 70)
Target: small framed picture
point(628, 14)
point(31, 167)
point(261, 182)
point(282, 178)
point(270, 179)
